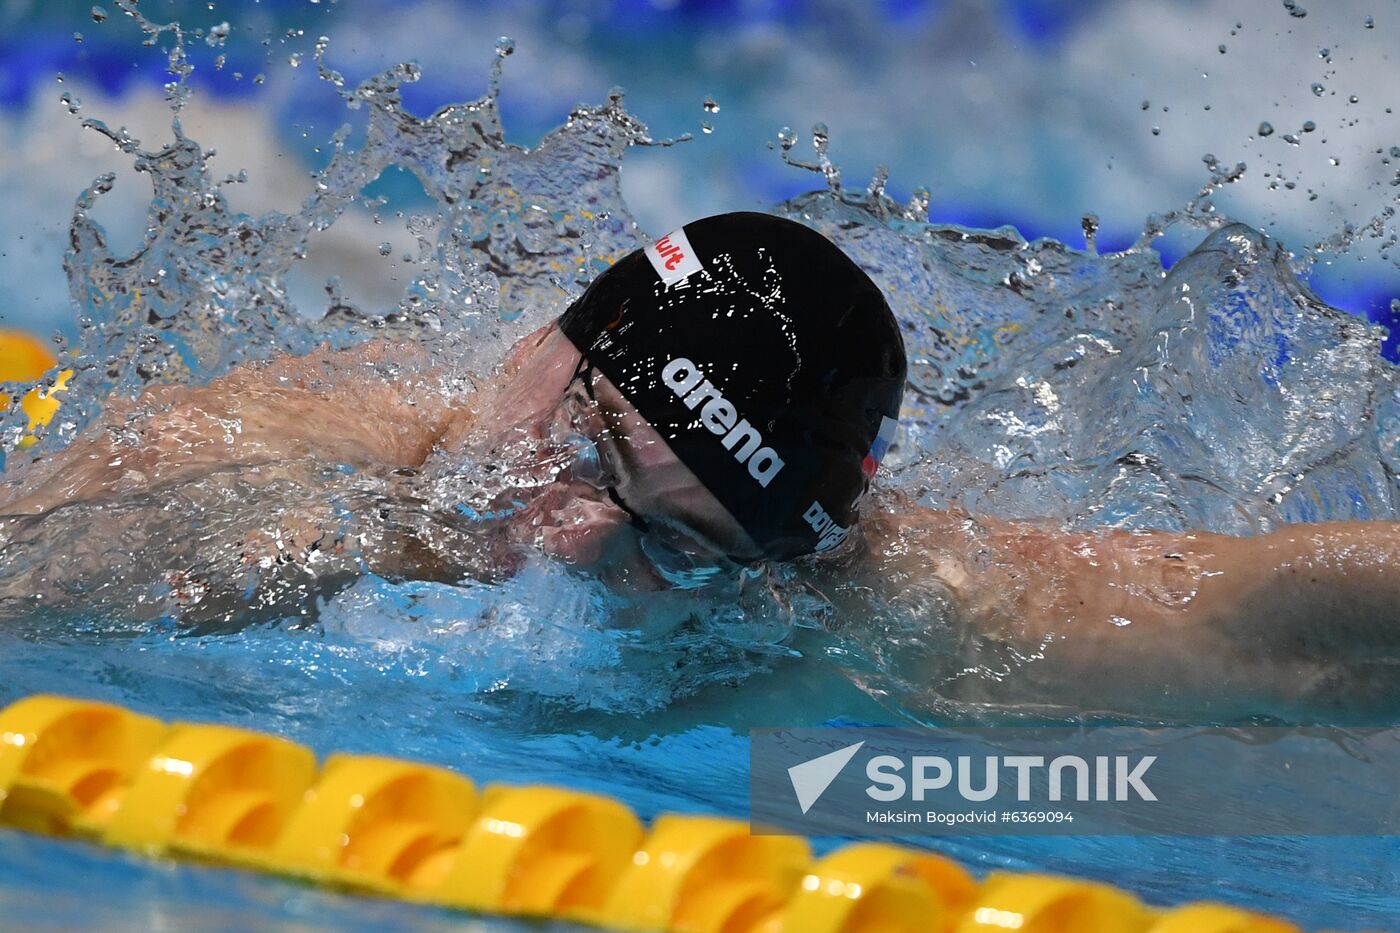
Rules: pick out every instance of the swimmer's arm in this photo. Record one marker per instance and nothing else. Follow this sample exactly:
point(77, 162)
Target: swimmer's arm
point(355, 407)
point(1278, 623)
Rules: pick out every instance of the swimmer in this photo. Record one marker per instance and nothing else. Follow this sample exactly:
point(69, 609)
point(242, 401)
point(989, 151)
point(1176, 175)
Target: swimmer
point(724, 398)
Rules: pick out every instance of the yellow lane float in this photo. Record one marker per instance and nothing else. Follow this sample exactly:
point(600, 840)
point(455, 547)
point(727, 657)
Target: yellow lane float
point(24, 358)
point(377, 823)
point(423, 833)
point(542, 851)
point(212, 792)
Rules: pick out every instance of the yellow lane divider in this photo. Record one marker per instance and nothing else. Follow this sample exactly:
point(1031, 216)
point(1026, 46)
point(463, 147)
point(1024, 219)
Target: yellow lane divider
point(25, 358)
point(382, 826)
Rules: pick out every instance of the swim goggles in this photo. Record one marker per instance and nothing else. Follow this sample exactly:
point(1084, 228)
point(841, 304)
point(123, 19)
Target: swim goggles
point(592, 435)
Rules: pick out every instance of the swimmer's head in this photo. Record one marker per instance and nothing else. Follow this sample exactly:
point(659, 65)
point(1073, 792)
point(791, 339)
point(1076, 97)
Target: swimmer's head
point(764, 361)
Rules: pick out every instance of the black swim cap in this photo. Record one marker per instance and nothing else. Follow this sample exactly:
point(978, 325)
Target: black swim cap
point(767, 359)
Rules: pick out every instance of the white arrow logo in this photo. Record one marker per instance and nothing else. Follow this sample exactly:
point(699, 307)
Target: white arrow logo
point(811, 778)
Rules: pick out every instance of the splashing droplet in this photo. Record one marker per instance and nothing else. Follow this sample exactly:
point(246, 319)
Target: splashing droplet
point(1318, 89)
point(505, 46)
point(1369, 22)
point(99, 15)
point(1294, 9)
point(1221, 48)
point(294, 59)
point(386, 248)
point(1156, 131)
point(711, 105)
point(1266, 128)
point(875, 191)
point(1309, 126)
point(706, 128)
point(1090, 225)
point(917, 208)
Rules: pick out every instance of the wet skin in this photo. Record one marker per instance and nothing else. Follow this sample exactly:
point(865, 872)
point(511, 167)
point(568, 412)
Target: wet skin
point(1290, 623)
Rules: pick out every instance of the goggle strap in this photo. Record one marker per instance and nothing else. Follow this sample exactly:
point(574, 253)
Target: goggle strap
point(637, 521)
point(584, 371)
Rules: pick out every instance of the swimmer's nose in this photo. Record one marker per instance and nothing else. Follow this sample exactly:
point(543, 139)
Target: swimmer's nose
point(582, 529)
point(596, 535)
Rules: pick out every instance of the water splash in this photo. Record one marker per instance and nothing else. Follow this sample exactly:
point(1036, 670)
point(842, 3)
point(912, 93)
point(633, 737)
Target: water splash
point(1101, 391)
point(1046, 383)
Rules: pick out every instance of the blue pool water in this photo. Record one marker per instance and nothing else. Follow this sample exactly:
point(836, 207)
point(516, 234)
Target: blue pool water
point(533, 679)
point(691, 756)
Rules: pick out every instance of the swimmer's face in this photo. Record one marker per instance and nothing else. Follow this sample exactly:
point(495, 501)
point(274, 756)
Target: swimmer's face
point(682, 516)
